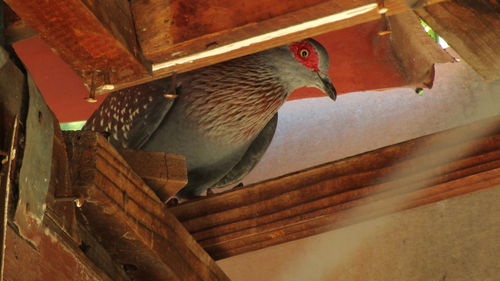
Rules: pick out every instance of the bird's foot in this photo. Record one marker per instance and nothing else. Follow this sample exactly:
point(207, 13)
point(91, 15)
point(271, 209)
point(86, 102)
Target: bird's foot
point(172, 202)
point(238, 186)
point(210, 191)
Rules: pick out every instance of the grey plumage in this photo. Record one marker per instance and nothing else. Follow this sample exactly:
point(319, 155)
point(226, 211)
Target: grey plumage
point(224, 116)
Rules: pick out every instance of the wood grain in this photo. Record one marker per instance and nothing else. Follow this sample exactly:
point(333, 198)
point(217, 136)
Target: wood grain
point(56, 258)
point(51, 252)
point(216, 23)
point(165, 173)
point(398, 177)
point(128, 218)
point(472, 29)
point(163, 39)
point(93, 37)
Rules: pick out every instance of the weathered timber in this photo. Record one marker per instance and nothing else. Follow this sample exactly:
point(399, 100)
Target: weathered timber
point(176, 35)
point(34, 178)
point(60, 203)
point(128, 219)
point(398, 177)
point(47, 243)
point(12, 93)
point(7, 166)
point(211, 24)
point(95, 252)
point(165, 173)
point(472, 29)
point(414, 50)
point(96, 38)
point(60, 217)
point(12, 90)
point(56, 257)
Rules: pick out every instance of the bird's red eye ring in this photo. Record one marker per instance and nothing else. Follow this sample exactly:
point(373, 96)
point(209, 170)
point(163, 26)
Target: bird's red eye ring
point(304, 53)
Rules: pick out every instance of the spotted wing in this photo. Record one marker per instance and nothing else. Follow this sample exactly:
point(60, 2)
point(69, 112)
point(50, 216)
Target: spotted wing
point(130, 116)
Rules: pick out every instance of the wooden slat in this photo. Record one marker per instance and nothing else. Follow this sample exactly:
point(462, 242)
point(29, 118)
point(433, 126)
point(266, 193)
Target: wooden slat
point(472, 29)
point(369, 185)
point(129, 220)
point(165, 173)
point(94, 37)
point(178, 33)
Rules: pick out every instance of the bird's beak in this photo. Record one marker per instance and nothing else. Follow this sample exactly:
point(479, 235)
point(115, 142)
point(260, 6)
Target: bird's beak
point(328, 86)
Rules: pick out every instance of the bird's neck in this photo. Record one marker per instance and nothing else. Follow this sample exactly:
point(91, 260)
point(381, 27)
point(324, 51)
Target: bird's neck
point(234, 100)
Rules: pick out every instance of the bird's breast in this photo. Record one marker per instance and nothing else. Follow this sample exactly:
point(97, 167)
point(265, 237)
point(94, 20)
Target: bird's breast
point(229, 102)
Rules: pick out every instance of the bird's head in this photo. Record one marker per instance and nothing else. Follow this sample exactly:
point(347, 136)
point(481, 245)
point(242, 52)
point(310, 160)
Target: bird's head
point(304, 63)
point(314, 57)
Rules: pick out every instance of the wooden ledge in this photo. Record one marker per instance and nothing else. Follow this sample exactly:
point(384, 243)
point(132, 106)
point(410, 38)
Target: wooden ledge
point(366, 186)
point(128, 219)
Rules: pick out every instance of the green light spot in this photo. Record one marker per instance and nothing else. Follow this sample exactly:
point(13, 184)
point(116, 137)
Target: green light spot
point(72, 126)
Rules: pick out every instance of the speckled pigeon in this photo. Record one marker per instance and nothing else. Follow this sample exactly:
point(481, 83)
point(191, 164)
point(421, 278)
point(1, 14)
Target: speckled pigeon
point(224, 116)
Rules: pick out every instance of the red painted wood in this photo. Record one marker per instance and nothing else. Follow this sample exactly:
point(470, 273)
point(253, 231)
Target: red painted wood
point(360, 60)
point(63, 90)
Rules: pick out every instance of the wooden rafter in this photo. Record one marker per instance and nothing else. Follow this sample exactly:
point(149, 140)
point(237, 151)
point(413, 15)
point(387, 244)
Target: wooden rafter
point(178, 36)
point(96, 38)
point(124, 213)
point(184, 36)
point(472, 28)
point(320, 199)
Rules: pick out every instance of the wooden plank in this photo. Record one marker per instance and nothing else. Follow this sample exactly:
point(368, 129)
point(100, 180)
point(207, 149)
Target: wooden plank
point(11, 103)
point(472, 29)
point(8, 164)
point(55, 258)
point(129, 220)
point(216, 23)
point(170, 40)
point(96, 38)
point(406, 175)
point(165, 173)
point(95, 252)
point(414, 50)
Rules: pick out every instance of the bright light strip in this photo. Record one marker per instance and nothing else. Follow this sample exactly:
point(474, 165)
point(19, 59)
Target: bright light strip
point(267, 36)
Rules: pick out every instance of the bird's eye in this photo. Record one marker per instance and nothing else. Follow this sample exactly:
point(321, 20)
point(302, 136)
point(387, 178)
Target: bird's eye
point(304, 53)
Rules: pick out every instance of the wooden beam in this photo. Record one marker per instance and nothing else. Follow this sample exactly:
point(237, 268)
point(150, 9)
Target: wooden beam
point(472, 29)
point(398, 177)
point(51, 250)
point(96, 38)
point(12, 93)
point(165, 173)
point(129, 220)
point(56, 258)
point(178, 36)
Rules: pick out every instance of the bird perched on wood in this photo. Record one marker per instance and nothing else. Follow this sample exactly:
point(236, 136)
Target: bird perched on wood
point(223, 116)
